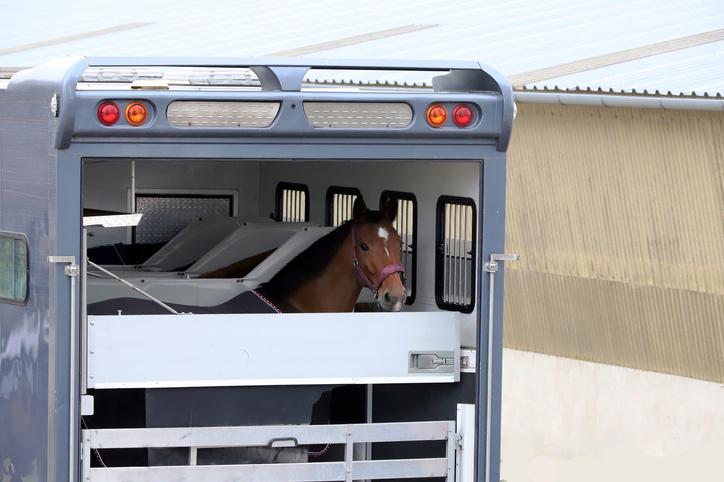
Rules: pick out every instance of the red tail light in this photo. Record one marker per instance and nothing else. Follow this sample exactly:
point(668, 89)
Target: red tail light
point(462, 115)
point(108, 113)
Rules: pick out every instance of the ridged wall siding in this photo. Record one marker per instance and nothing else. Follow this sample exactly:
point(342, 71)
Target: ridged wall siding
point(618, 215)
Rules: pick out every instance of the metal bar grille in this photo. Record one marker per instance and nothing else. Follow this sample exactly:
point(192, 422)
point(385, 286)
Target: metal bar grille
point(164, 215)
point(218, 114)
point(340, 201)
point(292, 203)
point(455, 257)
point(196, 438)
point(358, 115)
point(406, 226)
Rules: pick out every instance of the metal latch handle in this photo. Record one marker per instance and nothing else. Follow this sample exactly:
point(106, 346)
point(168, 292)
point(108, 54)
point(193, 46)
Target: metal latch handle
point(434, 361)
point(284, 442)
point(491, 266)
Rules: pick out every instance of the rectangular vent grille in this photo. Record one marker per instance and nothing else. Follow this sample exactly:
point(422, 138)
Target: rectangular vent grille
point(406, 226)
point(358, 115)
point(292, 205)
point(455, 260)
point(221, 114)
point(340, 201)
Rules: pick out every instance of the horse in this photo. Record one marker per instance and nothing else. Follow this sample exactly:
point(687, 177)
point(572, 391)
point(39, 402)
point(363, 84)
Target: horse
point(328, 276)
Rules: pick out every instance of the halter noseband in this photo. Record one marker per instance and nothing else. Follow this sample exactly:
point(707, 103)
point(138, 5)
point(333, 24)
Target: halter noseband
point(386, 272)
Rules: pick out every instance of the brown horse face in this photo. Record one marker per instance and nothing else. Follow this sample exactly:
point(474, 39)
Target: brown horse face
point(378, 245)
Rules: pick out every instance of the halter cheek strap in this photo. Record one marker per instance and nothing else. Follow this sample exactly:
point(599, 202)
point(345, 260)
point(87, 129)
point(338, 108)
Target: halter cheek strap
point(386, 272)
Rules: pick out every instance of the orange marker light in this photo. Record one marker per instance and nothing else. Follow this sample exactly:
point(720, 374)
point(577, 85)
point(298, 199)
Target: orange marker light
point(135, 114)
point(436, 115)
point(108, 113)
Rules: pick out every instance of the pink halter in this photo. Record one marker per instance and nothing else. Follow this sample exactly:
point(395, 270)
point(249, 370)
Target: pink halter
point(386, 272)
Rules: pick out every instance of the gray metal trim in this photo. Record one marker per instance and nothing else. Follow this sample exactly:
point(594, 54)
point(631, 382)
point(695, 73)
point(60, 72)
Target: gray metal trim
point(490, 328)
point(372, 151)
point(68, 230)
point(633, 101)
point(71, 270)
point(508, 106)
point(466, 82)
point(291, 121)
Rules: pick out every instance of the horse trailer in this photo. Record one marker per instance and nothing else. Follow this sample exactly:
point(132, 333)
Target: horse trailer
point(185, 251)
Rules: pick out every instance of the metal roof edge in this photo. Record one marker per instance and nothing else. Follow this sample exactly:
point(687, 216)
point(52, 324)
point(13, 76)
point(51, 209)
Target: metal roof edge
point(311, 62)
point(633, 101)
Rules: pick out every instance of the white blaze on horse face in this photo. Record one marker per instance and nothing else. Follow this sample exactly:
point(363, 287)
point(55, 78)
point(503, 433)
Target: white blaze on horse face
point(384, 234)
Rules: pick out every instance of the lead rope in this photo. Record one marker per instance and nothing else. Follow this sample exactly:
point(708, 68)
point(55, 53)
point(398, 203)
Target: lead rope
point(268, 303)
point(314, 455)
point(95, 451)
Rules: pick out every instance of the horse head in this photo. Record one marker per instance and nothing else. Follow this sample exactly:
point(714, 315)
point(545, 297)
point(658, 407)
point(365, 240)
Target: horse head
point(376, 253)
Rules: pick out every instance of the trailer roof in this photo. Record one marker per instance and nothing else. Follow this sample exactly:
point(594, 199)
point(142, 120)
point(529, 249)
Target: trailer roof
point(669, 47)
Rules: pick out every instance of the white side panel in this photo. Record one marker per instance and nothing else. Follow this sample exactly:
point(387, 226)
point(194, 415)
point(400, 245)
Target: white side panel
point(247, 240)
point(465, 457)
point(267, 349)
point(194, 241)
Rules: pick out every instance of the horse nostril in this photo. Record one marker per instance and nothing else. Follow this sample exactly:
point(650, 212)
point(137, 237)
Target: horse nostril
point(388, 298)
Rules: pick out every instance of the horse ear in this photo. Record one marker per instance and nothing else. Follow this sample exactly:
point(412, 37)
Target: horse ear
point(389, 210)
point(359, 209)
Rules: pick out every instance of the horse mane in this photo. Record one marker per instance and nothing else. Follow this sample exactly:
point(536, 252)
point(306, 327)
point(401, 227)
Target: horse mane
point(311, 262)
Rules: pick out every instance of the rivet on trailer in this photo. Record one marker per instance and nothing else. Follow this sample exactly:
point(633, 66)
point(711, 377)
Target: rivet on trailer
point(165, 229)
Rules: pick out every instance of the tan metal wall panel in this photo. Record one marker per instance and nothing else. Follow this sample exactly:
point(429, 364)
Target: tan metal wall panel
point(619, 217)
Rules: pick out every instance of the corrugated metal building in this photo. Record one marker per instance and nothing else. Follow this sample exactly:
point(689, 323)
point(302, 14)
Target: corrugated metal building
point(619, 215)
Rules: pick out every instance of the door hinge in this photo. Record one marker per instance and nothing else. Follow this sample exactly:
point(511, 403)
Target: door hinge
point(71, 269)
point(492, 265)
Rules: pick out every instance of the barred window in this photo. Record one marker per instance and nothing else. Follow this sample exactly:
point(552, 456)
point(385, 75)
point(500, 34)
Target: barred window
point(455, 257)
point(13, 268)
point(406, 226)
point(292, 203)
point(340, 201)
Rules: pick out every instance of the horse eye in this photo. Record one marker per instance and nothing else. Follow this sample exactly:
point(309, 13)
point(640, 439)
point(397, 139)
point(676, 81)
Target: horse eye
point(364, 247)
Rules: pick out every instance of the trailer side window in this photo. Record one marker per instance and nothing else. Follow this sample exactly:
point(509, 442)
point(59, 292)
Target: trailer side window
point(292, 203)
point(13, 268)
point(164, 215)
point(455, 256)
point(339, 204)
point(406, 226)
